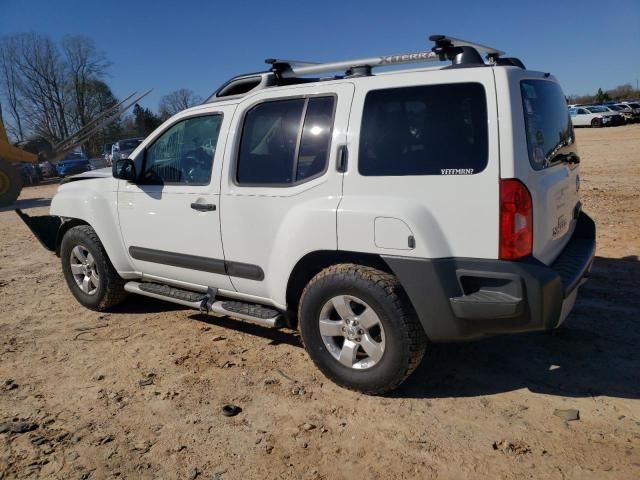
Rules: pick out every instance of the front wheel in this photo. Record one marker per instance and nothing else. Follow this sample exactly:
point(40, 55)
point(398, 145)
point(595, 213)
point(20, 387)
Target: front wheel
point(359, 328)
point(596, 123)
point(88, 271)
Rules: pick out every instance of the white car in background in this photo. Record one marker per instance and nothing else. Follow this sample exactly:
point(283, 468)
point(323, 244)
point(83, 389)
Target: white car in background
point(630, 109)
point(594, 116)
point(121, 149)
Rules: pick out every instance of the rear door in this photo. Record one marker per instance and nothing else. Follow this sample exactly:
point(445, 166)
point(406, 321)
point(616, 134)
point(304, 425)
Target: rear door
point(544, 156)
point(280, 186)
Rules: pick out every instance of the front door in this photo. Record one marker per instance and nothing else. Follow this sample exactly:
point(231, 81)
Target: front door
point(170, 218)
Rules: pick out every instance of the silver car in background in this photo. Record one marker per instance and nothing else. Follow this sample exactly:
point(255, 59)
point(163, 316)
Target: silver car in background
point(122, 148)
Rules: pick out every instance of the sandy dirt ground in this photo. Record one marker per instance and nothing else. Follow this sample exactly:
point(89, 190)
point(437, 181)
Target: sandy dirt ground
point(137, 393)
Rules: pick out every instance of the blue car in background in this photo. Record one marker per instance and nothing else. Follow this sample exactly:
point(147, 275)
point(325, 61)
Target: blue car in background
point(72, 164)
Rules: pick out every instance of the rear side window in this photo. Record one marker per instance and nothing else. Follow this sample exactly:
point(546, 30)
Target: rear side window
point(547, 120)
point(424, 130)
point(286, 141)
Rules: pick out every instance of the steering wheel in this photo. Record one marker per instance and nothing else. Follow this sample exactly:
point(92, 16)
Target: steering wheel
point(193, 162)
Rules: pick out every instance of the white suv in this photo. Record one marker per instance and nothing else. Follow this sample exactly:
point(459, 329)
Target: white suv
point(375, 213)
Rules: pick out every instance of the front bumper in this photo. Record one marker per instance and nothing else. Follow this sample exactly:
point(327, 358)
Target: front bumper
point(466, 298)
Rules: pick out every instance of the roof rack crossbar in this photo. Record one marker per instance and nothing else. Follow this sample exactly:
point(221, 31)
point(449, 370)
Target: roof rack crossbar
point(444, 48)
point(300, 70)
point(446, 41)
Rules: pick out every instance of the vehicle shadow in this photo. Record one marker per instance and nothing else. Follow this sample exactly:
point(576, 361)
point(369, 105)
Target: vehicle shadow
point(275, 335)
point(138, 304)
point(595, 352)
point(27, 203)
point(141, 304)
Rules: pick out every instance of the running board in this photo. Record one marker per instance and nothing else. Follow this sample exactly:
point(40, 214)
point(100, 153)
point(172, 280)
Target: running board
point(249, 312)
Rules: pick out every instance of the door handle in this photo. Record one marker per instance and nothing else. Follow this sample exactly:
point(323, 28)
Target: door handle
point(343, 159)
point(203, 207)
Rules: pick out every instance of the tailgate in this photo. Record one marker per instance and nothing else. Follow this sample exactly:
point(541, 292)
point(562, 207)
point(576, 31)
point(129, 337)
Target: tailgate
point(554, 192)
point(554, 182)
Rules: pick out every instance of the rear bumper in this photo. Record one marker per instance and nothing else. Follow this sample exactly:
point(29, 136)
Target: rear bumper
point(466, 298)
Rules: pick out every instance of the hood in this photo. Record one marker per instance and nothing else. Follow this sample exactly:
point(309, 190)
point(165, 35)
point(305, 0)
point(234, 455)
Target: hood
point(99, 173)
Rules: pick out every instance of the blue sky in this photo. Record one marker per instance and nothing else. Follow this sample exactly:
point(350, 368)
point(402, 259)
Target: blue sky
point(199, 44)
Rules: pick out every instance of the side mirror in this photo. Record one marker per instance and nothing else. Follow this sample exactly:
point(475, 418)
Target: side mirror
point(124, 169)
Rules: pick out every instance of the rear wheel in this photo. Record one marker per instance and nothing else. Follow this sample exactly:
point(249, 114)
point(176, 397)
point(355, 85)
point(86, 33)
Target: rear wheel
point(359, 328)
point(88, 271)
point(10, 184)
point(596, 123)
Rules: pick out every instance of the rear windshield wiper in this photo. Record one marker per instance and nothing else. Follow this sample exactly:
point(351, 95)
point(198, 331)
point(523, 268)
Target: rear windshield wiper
point(571, 158)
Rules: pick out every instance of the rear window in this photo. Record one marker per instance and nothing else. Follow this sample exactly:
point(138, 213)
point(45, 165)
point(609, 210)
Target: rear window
point(424, 130)
point(547, 120)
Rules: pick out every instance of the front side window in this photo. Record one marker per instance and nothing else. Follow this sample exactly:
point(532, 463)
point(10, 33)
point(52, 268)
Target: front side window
point(184, 153)
point(285, 141)
point(424, 130)
point(547, 121)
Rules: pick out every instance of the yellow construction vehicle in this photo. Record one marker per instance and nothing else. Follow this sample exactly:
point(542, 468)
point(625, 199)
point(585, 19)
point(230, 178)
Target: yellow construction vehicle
point(10, 178)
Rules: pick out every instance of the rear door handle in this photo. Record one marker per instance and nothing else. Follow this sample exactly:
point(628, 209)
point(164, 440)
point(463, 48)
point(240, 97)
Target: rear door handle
point(203, 207)
point(343, 159)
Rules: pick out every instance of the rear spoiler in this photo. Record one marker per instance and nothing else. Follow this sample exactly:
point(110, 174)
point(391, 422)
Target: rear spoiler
point(44, 227)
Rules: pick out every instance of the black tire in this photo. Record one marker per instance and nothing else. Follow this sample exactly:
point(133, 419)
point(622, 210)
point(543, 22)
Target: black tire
point(405, 340)
point(10, 183)
point(596, 123)
point(110, 290)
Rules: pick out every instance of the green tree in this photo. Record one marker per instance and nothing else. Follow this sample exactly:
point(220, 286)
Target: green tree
point(601, 96)
point(144, 120)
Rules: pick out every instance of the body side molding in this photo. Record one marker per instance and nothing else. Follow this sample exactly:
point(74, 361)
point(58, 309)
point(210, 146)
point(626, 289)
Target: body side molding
point(194, 262)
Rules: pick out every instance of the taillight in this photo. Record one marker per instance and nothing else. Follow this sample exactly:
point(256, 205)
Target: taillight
point(516, 220)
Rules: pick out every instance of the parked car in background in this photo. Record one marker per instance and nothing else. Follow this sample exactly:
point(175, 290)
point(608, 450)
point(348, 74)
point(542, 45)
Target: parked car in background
point(29, 173)
point(122, 148)
point(47, 169)
point(594, 116)
point(627, 117)
point(106, 153)
point(72, 164)
point(631, 109)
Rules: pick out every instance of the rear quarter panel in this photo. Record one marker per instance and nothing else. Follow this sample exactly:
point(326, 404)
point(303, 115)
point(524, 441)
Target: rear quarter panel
point(448, 215)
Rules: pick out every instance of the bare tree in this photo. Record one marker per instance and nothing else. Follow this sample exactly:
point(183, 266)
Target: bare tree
point(85, 64)
point(40, 84)
point(52, 90)
point(9, 81)
point(177, 101)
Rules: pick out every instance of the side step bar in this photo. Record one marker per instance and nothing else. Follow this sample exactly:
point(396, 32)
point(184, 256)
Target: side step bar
point(250, 312)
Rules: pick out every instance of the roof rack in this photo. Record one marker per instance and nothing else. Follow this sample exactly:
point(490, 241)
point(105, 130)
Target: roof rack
point(461, 53)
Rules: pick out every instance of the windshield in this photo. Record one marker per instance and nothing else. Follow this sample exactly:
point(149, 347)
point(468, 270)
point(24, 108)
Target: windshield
point(547, 120)
point(614, 107)
point(634, 105)
point(597, 109)
point(129, 144)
